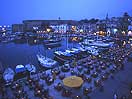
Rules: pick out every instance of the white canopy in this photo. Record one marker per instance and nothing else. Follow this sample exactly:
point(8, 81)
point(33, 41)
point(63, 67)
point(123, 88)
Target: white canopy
point(8, 75)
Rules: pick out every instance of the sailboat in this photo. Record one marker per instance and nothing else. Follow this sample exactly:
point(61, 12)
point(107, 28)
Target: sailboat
point(63, 56)
point(46, 62)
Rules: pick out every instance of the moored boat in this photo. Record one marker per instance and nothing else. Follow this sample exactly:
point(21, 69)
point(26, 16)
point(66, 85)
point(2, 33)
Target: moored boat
point(52, 43)
point(96, 43)
point(46, 62)
point(20, 69)
point(31, 68)
point(66, 55)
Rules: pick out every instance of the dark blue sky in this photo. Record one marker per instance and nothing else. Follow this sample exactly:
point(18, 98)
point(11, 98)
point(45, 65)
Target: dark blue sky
point(14, 11)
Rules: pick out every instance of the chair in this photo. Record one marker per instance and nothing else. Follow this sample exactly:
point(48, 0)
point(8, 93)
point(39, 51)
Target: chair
point(65, 68)
point(73, 72)
point(62, 76)
point(79, 68)
point(58, 87)
point(76, 97)
point(49, 80)
point(87, 90)
point(88, 79)
point(66, 93)
point(95, 75)
point(87, 71)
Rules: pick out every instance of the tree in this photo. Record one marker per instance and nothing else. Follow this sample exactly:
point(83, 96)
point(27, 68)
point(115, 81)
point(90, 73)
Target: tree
point(125, 22)
point(93, 21)
point(84, 21)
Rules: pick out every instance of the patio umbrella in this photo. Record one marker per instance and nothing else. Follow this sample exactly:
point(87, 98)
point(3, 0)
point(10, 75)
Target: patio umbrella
point(73, 81)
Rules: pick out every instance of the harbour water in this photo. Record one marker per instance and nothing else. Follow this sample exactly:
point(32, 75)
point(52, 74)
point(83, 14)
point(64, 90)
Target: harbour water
point(12, 54)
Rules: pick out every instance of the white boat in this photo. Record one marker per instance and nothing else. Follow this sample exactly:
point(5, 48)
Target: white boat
point(97, 43)
point(8, 75)
point(102, 44)
point(20, 69)
point(46, 62)
point(31, 68)
point(67, 53)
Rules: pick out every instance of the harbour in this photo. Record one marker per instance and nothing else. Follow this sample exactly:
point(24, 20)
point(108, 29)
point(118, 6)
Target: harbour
point(77, 49)
point(93, 63)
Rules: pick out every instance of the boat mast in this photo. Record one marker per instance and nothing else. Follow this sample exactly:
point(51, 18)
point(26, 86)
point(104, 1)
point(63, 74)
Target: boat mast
point(66, 40)
point(1, 67)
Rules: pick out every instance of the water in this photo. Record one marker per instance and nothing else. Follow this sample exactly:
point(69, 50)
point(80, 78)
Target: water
point(12, 54)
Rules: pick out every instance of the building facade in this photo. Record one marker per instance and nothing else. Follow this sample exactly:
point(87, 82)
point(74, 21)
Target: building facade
point(42, 26)
point(17, 28)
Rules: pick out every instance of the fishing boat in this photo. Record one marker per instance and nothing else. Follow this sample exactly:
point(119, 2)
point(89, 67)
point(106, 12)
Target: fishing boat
point(8, 76)
point(31, 68)
point(46, 62)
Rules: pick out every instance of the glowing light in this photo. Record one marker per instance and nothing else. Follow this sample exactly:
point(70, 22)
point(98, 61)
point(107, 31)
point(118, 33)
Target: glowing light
point(128, 42)
point(35, 41)
point(123, 32)
point(3, 28)
point(74, 28)
point(81, 30)
point(124, 42)
point(48, 30)
point(4, 33)
point(49, 48)
point(101, 33)
point(95, 33)
point(129, 33)
point(115, 30)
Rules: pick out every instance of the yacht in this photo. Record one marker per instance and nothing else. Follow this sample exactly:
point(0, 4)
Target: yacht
point(96, 43)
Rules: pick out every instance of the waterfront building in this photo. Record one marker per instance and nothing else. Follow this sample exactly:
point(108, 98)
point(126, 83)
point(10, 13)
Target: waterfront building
point(42, 26)
point(130, 25)
point(17, 28)
point(86, 27)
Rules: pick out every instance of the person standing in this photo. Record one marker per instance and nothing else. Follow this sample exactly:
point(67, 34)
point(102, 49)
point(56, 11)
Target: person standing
point(115, 96)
